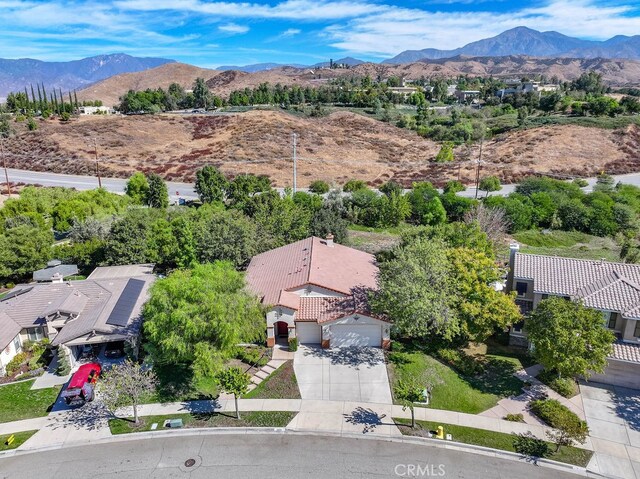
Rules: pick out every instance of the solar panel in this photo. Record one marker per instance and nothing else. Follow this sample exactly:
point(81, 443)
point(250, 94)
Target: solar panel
point(126, 302)
point(15, 293)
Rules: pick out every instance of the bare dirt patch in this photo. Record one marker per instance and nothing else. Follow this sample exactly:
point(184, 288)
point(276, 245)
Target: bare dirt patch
point(335, 148)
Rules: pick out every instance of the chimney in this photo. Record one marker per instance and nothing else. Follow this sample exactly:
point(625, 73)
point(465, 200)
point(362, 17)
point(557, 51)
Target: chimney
point(330, 240)
point(513, 249)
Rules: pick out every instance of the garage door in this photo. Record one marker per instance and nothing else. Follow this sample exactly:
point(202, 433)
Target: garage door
point(344, 335)
point(308, 333)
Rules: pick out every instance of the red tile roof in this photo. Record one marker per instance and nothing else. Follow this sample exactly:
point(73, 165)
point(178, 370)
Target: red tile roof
point(310, 261)
point(328, 309)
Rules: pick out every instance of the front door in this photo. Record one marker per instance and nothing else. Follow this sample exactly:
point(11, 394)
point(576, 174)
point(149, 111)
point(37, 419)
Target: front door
point(283, 329)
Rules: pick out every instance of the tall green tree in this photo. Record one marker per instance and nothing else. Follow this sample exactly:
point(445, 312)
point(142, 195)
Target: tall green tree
point(416, 289)
point(211, 185)
point(199, 316)
point(158, 196)
point(137, 188)
point(569, 338)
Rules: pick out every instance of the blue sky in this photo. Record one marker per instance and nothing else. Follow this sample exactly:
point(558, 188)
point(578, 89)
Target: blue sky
point(212, 33)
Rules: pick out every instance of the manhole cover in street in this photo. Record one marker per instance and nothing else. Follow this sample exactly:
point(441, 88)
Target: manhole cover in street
point(190, 462)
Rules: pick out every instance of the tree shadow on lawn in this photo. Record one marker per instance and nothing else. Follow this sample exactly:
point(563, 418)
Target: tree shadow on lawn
point(177, 383)
point(497, 378)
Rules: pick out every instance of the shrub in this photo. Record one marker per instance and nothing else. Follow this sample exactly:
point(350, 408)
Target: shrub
point(354, 185)
point(319, 187)
point(64, 367)
point(16, 362)
point(32, 125)
point(462, 362)
point(65, 116)
point(253, 356)
point(566, 387)
point(529, 445)
point(557, 415)
point(514, 417)
point(581, 182)
point(293, 344)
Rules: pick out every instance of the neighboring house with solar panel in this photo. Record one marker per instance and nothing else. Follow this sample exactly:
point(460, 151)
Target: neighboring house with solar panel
point(613, 288)
point(104, 308)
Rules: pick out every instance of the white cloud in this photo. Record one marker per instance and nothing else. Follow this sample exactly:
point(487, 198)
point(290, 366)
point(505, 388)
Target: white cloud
point(399, 29)
point(233, 28)
point(291, 32)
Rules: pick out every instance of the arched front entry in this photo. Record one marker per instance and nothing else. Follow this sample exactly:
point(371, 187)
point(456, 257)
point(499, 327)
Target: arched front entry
point(281, 330)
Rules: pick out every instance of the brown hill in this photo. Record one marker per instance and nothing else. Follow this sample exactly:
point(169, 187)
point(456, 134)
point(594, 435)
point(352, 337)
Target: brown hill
point(614, 72)
point(335, 148)
point(111, 89)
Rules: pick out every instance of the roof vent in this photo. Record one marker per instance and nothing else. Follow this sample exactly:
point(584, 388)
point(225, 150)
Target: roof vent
point(330, 240)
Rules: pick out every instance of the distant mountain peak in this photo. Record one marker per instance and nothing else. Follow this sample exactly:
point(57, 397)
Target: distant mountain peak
point(15, 75)
point(523, 40)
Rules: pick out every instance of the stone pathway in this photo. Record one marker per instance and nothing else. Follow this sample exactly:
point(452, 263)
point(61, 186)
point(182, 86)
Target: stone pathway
point(266, 371)
point(520, 404)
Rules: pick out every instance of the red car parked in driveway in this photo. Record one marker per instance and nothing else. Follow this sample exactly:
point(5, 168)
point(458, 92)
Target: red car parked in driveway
point(82, 384)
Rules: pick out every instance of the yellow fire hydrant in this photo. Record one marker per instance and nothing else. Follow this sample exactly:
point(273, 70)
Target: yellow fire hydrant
point(440, 432)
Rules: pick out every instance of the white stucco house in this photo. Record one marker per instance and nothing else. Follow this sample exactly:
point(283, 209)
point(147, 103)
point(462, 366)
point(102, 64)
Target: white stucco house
point(316, 290)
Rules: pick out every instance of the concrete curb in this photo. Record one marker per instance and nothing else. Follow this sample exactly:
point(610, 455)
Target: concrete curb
point(452, 445)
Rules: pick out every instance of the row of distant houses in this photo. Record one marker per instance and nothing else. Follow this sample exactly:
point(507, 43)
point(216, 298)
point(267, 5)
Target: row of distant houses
point(313, 290)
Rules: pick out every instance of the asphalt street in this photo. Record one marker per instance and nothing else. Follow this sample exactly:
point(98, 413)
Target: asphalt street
point(281, 456)
point(186, 190)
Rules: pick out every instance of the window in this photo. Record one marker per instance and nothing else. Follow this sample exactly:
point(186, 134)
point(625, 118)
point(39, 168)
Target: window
point(521, 288)
point(525, 306)
point(613, 317)
point(35, 334)
point(636, 333)
point(518, 326)
point(545, 296)
point(16, 344)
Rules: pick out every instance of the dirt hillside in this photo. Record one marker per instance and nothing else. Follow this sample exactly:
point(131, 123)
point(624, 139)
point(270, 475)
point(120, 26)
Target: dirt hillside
point(334, 148)
point(111, 89)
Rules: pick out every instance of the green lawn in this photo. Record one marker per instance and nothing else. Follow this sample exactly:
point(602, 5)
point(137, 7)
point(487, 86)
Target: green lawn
point(494, 440)
point(20, 439)
point(469, 394)
point(282, 384)
point(17, 401)
point(227, 419)
point(373, 240)
point(570, 244)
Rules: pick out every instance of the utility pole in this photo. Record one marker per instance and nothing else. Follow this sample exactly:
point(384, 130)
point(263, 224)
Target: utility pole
point(4, 164)
point(478, 167)
point(95, 150)
point(295, 164)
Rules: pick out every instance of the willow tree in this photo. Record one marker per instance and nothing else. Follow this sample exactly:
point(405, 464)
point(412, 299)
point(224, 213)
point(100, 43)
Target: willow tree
point(198, 317)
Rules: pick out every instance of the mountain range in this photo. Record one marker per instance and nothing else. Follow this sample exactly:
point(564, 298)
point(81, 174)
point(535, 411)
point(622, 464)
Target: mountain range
point(512, 46)
point(15, 75)
point(526, 41)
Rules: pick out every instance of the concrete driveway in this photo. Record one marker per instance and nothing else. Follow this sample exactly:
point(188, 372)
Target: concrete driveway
point(345, 374)
point(613, 416)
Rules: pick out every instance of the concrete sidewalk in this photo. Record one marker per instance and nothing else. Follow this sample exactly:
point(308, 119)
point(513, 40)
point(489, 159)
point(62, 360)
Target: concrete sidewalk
point(520, 404)
point(90, 422)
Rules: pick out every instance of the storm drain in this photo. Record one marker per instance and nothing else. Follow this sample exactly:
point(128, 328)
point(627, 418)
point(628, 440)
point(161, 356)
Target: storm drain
point(191, 464)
